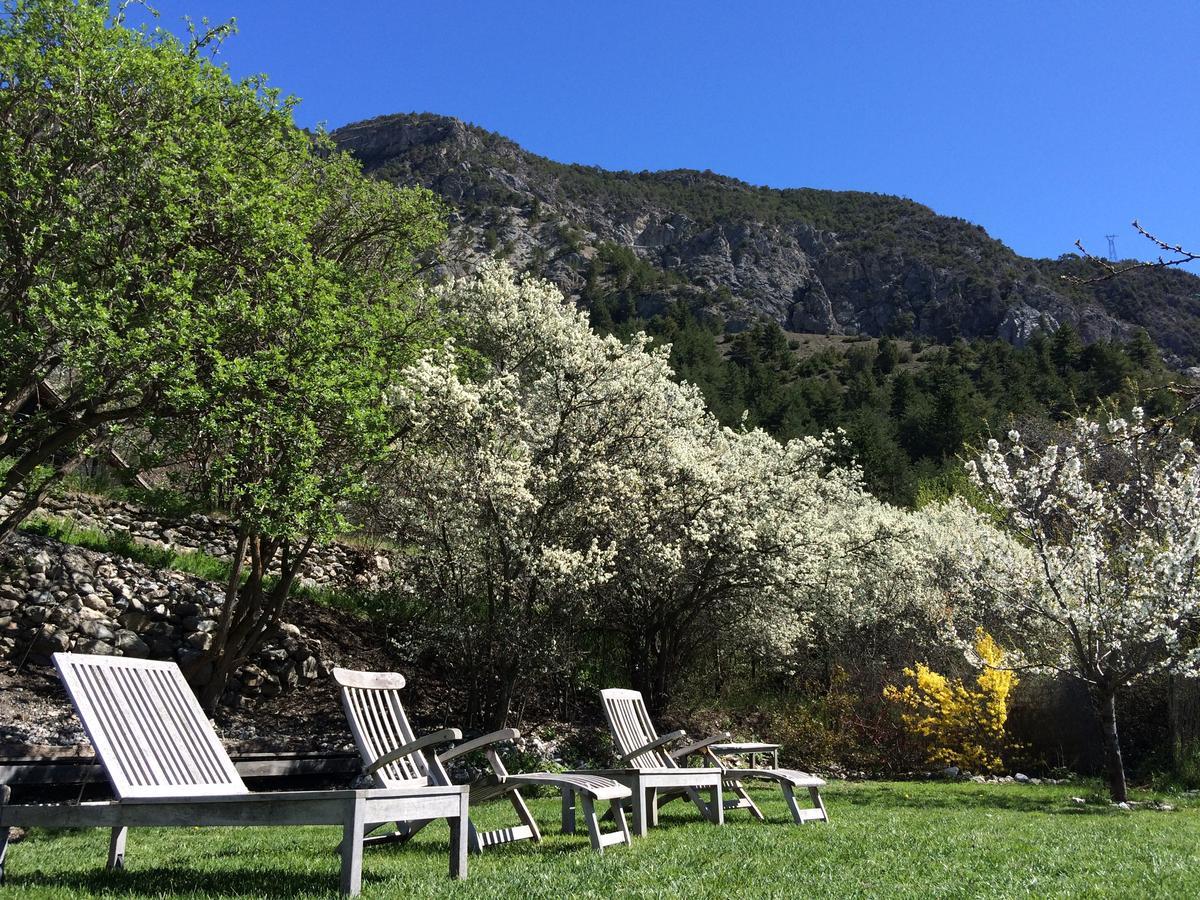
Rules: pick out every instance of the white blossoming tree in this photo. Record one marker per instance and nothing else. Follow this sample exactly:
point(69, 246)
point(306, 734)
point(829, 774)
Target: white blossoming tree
point(530, 435)
point(565, 503)
point(1112, 517)
point(556, 482)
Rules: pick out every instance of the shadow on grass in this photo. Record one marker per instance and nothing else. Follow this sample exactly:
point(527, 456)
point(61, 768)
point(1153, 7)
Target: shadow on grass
point(165, 880)
point(146, 878)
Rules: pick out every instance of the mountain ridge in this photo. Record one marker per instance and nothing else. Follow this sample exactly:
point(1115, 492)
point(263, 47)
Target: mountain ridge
point(835, 262)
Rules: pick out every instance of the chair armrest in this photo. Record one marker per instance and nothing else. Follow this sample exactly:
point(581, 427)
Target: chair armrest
point(654, 745)
point(685, 752)
point(504, 734)
point(438, 737)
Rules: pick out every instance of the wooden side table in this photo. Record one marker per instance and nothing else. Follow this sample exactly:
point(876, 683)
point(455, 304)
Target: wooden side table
point(750, 749)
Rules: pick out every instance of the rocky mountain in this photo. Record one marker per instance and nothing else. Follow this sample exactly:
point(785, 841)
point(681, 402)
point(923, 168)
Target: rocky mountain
point(834, 262)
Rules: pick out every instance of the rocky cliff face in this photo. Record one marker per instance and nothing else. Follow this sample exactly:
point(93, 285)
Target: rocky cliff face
point(816, 261)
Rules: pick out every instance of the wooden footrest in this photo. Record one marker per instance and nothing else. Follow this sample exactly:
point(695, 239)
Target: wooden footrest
point(808, 815)
point(504, 836)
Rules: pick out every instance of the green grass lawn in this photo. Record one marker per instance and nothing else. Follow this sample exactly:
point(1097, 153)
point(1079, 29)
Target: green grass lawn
point(885, 839)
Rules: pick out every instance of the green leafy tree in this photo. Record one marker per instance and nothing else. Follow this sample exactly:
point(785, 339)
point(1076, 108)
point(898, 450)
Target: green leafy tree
point(179, 261)
point(294, 430)
point(152, 211)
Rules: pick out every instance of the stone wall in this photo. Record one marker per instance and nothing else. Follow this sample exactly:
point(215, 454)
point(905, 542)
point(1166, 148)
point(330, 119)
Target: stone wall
point(55, 597)
point(338, 566)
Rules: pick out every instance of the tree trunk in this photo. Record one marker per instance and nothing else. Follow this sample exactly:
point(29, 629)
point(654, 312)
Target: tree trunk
point(250, 612)
point(502, 706)
point(1104, 701)
point(1175, 731)
point(28, 504)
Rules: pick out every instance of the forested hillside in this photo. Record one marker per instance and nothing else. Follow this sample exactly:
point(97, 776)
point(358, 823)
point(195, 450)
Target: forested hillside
point(934, 333)
point(834, 262)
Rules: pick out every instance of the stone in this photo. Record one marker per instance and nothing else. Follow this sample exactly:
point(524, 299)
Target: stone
point(1021, 777)
point(163, 630)
point(130, 644)
point(95, 601)
point(288, 676)
point(95, 629)
point(94, 647)
point(119, 588)
point(309, 669)
point(201, 640)
point(950, 772)
point(187, 608)
point(64, 617)
point(39, 562)
point(197, 669)
point(50, 640)
point(134, 620)
point(36, 614)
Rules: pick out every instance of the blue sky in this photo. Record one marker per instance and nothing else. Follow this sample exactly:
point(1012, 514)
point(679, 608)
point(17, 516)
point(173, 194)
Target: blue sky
point(1042, 121)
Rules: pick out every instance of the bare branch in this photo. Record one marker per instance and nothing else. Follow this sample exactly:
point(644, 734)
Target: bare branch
point(1179, 256)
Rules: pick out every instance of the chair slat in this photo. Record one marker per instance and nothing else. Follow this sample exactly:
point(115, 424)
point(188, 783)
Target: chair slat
point(148, 731)
point(632, 727)
point(372, 705)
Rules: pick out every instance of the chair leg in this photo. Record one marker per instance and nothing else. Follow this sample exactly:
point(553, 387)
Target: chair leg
point(352, 848)
point(618, 812)
point(694, 796)
point(652, 806)
point(799, 816)
point(815, 794)
point(739, 791)
point(789, 798)
point(116, 848)
point(589, 815)
point(5, 832)
point(638, 806)
point(568, 811)
point(459, 827)
point(525, 815)
point(717, 806)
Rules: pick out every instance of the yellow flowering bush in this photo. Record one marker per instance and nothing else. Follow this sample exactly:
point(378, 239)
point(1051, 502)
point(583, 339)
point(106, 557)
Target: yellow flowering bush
point(961, 725)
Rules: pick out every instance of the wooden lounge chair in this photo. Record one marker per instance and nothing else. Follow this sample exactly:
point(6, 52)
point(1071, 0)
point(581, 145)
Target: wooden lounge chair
point(168, 768)
point(390, 756)
point(639, 743)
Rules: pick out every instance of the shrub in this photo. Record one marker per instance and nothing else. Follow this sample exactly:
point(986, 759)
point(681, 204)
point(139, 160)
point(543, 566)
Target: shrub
point(960, 726)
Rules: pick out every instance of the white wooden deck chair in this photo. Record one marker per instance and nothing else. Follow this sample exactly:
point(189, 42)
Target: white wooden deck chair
point(168, 768)
point(638, 742)
point(391, 755)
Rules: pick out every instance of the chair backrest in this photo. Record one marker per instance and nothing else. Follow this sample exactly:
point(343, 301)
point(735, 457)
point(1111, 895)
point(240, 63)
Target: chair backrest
point(149, 732)
point(377, 721)
point(632, 728)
